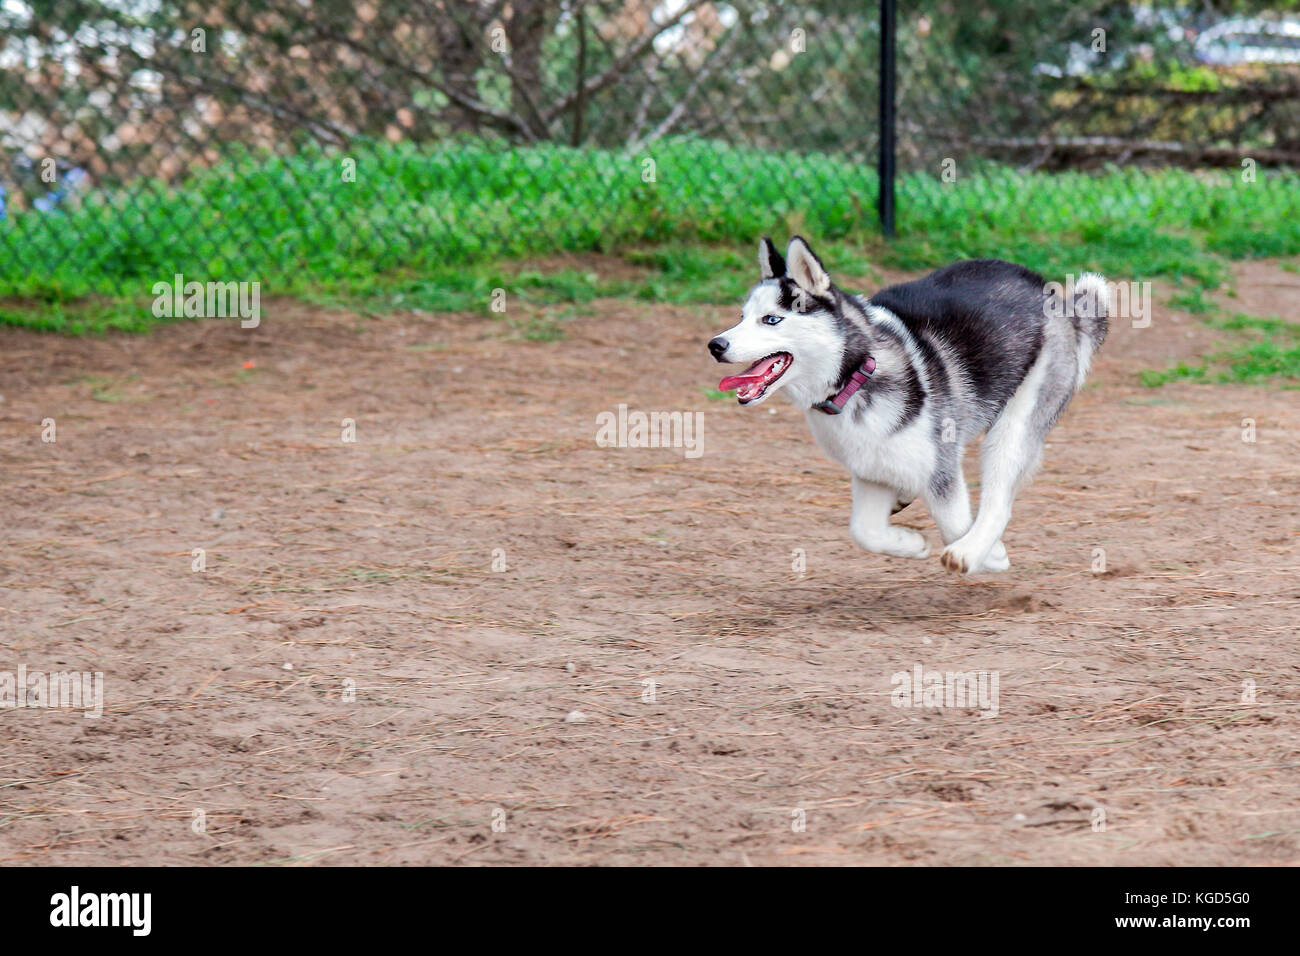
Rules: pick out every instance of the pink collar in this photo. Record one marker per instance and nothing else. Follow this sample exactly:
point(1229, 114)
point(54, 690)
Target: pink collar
point(835, 404)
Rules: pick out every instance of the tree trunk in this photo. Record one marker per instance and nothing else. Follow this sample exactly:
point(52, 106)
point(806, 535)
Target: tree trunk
point(460, 54)
point(526, 31)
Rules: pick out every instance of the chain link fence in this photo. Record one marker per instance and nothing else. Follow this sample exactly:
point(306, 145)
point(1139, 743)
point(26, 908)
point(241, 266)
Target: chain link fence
point(324, 141)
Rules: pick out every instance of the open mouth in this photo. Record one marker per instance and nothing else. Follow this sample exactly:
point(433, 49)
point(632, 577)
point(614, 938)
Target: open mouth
point(753, 383)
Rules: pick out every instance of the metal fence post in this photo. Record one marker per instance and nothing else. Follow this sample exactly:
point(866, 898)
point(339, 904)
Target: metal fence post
point(885, 203)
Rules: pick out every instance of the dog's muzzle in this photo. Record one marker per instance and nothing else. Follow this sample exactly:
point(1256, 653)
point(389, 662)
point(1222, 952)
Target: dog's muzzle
point(718, 347)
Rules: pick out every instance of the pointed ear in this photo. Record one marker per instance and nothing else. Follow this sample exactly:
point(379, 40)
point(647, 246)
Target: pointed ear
point(770, 263)
point(806, 269)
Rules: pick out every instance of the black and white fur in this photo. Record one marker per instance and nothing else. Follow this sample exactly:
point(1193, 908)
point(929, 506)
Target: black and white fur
point(982, 346)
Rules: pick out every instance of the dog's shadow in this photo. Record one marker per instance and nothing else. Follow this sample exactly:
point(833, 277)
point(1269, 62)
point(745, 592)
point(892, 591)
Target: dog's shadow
point(837, 604)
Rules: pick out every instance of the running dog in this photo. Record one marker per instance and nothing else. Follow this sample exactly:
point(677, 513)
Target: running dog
point(896, 386)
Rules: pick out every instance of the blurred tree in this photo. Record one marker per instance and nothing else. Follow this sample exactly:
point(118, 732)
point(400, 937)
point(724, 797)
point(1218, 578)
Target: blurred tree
point(130, 87)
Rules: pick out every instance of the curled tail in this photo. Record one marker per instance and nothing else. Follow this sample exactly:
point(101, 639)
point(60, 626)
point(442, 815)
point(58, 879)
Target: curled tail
point(1089, 313)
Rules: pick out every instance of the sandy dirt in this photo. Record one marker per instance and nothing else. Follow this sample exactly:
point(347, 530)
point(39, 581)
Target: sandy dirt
point(350, 681)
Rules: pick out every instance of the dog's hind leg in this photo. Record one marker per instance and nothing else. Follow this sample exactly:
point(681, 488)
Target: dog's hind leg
point(1012, 449)
point(949, 504)
point(1008, 456)
point(870, 527)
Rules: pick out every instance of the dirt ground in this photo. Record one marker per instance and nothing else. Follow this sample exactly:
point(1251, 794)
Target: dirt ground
point(350, 681)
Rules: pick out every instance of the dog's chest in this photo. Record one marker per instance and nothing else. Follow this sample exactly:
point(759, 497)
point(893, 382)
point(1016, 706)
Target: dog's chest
point(869, 449)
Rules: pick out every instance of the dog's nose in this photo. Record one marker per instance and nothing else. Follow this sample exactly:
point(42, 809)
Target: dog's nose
point(718, 347)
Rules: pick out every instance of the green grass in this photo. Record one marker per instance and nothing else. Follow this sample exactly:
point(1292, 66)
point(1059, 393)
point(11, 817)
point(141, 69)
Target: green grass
point(1193, 300)
point(439, 228)
point(1269, 350)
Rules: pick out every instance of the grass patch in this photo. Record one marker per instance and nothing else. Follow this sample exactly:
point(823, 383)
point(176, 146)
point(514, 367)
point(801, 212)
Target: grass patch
point(1194, 301)
point(1269, 354)
point(540, 329)
point(440, 228)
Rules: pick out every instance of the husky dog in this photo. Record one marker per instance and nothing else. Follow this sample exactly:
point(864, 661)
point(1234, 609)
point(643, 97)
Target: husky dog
point(896, 386)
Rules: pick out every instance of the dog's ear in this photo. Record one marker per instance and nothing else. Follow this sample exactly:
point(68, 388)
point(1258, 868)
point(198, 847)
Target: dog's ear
point(806, 269)
point(770, 263)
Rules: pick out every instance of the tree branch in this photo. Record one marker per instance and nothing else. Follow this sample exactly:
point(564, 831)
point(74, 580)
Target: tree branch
point(622, 64)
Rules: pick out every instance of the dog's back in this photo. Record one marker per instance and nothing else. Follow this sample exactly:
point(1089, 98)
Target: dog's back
point(990, 315)
point(987, 313)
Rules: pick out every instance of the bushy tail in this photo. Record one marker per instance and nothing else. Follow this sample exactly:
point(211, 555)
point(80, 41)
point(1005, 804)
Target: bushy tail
point(1090, 312)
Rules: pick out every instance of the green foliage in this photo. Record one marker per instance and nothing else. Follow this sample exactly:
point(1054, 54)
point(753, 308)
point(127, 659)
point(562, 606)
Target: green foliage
point(1193, 301)
point(1270, 352)
point(438, 228)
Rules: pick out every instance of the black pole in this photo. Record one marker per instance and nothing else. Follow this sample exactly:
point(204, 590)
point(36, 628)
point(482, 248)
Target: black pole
point(885, 204)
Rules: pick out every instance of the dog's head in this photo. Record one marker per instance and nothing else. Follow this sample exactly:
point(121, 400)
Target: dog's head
point(790, 334)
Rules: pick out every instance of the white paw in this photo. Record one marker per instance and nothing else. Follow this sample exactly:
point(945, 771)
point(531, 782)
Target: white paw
point(899, 542)
point(966, 557)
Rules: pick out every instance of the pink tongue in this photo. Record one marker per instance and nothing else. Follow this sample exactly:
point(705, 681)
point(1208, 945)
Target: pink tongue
point(757, 372)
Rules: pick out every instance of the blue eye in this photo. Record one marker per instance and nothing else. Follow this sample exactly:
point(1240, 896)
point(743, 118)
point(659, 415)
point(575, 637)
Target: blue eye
point(772, 319)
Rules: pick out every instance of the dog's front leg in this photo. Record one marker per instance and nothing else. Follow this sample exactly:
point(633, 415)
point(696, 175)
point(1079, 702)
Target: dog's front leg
point(870, 527)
